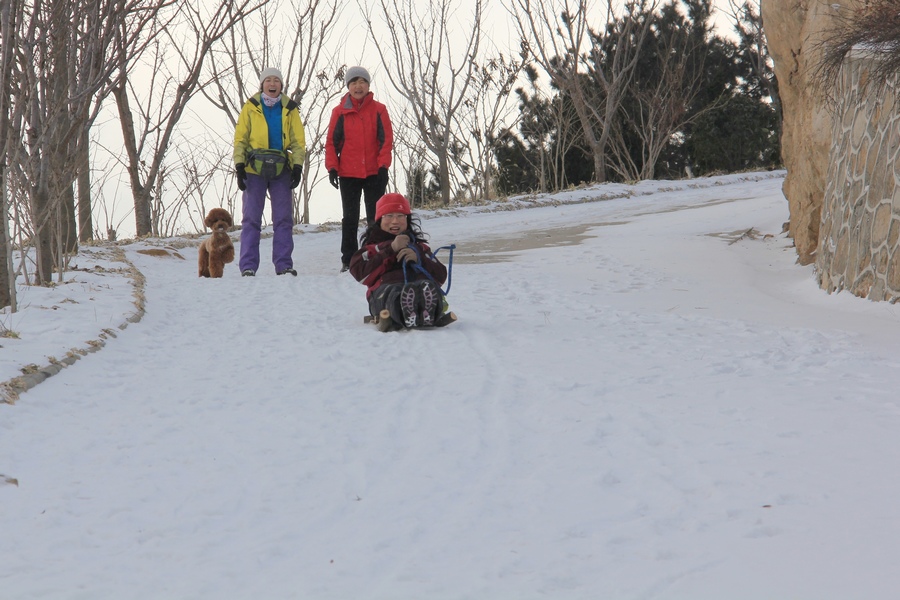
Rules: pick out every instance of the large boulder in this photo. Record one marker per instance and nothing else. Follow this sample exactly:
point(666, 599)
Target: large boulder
point(794, 29)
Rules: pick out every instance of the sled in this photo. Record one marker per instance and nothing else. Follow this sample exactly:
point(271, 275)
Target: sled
point(384, 322)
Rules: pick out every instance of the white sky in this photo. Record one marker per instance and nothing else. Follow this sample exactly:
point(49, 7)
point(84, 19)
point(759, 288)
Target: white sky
point(325, 204)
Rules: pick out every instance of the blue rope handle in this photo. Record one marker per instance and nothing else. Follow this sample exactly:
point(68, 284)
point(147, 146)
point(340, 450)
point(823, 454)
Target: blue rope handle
point(451, 247)
point(417, 265)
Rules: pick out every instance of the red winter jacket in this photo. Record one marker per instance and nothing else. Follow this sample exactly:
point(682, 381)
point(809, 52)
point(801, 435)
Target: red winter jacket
point(376, 264)
point(360, 138)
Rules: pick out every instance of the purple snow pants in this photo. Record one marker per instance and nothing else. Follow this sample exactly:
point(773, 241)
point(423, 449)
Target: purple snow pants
point(282, 221)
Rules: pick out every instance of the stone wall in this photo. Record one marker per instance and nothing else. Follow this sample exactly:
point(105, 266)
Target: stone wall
point(858, 246)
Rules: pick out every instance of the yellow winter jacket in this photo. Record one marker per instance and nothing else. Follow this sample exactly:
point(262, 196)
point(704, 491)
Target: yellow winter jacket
point(252, 132)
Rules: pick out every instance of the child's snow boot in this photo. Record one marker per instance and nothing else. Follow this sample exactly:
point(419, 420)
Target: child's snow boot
point(408, 305)
point(429, 301)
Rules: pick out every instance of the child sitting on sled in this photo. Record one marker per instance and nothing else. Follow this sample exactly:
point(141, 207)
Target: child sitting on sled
point(396, 265)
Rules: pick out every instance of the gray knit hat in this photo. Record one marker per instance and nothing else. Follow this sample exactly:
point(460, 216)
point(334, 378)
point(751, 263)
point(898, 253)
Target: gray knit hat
point(354, 72)
point(270, 72)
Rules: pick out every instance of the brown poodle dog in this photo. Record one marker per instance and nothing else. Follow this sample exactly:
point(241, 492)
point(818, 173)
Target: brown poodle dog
point(217, 250)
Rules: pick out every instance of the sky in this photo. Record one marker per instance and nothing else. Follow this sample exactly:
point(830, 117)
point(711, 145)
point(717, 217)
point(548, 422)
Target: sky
point(644, 397)
point(353, 49)
point(499, 34)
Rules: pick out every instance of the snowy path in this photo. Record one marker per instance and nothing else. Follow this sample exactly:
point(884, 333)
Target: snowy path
point(632, 416)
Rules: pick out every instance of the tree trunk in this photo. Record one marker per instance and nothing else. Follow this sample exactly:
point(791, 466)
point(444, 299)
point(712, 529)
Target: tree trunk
point(444, 166)
point(68, 230)
point(142, 218)
point(85, 220)
point(42, 237)
point(7, 285)
point(596, 144)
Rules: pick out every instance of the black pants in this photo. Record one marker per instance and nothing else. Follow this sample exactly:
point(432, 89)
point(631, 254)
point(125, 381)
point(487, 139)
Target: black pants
point(351, 190)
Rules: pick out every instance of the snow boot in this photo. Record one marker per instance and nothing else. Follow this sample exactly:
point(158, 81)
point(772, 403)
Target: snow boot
point(408, 305)
point(429, 300)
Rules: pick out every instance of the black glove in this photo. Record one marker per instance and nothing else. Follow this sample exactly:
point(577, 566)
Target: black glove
point(383, 177)
point(296, 174)
point(241, 176)
point(333, 178)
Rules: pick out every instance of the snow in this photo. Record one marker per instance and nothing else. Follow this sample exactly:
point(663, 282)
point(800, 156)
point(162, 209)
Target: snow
point(645, 397)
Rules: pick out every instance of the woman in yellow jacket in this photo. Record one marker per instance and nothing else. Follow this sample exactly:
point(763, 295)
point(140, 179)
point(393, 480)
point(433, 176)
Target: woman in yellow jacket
point(269, 150)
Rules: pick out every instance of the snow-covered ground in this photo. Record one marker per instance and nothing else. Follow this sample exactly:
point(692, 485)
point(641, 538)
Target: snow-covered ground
point(644, 398)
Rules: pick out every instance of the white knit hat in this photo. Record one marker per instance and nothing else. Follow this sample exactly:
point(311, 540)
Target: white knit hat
point(354, 72)
point(270, 72)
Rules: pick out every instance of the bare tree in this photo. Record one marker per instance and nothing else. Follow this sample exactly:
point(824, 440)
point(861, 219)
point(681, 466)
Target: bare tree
point(747, 20)
point(428, 71)
point(192, 36)
point(745, 15)
point(83, 170)
point(9, 11)
point(550, 128)
point(60, 65)
point(562, 42)
point(109, 222)
point(488, 110)
point(415, 167)
point(662, 106)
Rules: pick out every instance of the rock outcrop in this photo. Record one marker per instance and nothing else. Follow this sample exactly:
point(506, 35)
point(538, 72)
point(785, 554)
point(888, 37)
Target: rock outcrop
point(794, 30)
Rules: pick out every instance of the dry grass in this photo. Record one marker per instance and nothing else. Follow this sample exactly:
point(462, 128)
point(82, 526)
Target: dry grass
point(876, 26)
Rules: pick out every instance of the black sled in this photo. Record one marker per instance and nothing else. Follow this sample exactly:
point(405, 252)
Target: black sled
point(385, 323)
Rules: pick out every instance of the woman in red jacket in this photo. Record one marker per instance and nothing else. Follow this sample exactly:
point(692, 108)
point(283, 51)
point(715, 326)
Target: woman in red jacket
point(358, 154)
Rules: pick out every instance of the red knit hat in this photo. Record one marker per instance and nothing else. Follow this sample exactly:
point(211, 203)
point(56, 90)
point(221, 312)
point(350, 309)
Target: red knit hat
point(391, 203)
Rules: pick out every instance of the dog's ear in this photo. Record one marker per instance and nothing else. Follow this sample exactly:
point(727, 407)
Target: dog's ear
point(208, 221)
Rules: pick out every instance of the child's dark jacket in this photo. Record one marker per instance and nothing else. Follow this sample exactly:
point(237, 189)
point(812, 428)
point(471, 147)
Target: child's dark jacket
point(376, 264)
